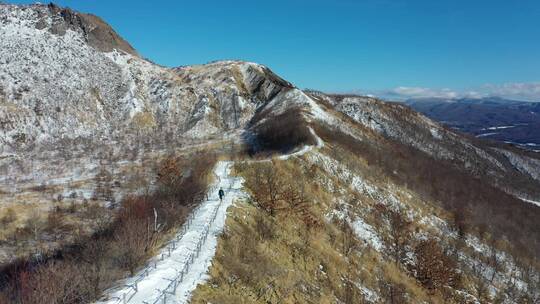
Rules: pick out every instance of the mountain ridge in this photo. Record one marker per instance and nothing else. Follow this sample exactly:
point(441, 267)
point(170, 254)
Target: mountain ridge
point(372, 202)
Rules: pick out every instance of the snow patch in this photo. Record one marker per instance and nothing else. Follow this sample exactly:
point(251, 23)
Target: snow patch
point(366, 232)
point(537, 203)
point(306, 148)
point(487, 134)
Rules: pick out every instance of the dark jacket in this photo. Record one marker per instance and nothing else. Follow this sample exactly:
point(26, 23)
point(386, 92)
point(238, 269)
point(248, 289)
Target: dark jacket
point(221, 193)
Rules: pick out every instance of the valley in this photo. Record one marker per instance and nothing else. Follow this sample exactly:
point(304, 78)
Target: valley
point(497, 119)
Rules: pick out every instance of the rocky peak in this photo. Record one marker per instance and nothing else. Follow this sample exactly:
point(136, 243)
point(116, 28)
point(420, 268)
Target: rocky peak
point(97, 33)
point(57, 20)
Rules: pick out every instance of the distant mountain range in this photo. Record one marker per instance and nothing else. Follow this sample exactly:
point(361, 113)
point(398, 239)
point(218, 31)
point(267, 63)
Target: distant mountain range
point(510, 121)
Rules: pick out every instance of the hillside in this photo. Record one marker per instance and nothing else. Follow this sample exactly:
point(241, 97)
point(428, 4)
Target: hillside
point(109, 167)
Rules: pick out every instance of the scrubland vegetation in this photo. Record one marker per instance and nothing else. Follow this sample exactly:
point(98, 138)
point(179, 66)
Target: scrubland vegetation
point(81, 270)
point(392, 209)
point(282, 247)
point(470, 207)
point(295, 240)
point(475, 204)
point(74, 180)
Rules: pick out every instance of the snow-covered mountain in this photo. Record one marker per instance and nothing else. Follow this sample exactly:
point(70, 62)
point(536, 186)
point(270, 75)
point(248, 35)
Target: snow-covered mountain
point(69, 75)
point(80, 109)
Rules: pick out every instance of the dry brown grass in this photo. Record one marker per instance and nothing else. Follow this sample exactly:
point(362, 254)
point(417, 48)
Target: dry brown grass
point(114, 250)
point(277, 257)
point(269, 254)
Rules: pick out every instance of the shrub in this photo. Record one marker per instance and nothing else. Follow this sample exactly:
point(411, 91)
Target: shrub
point(55, 221)
point(394, 293)
point(400, 229)
point(55, 282)
point(281, 133)
point(433, 268)
point(132, 243)
point(264, 227)
point(79, 272)
point(266, 185)
point(103, 189)
point(169, 173)
point(35, 224)
point(9, 217)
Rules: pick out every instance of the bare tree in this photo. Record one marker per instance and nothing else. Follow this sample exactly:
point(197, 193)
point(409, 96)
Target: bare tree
point(393, 293)
point(98, 273)
point(134, 239)
point(267, 187)
point(35, 223)
point(55, 282)
point(103, 189)
point(350, 242)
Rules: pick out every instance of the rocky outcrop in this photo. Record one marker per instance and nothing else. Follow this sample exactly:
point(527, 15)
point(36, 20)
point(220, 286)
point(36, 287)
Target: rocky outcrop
point(263, 83)
point(97, 33)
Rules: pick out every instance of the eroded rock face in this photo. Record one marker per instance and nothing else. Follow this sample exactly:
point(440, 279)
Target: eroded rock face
point(263, 83)
point(97, 33)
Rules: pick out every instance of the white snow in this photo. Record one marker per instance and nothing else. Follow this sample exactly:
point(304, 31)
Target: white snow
point(369, 294)
point(366, 232)
point(306, 148)
point(320, 142)
point(524, 164)
point(530, 201)
point(487, 134)
point(357, 182)
point(499, 128)
point(383, 119)
point(152, 280)
point(284, 101)
point(42, 71)
point(475, 243)
point(435, 133)
point(58, 86)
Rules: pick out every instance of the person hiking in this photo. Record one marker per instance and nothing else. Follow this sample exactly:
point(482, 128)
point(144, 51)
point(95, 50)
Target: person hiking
point(221, 194)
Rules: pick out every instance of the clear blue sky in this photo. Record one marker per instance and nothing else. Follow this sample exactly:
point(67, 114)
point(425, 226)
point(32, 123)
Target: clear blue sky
point(341, 45)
